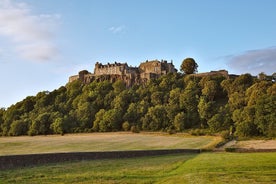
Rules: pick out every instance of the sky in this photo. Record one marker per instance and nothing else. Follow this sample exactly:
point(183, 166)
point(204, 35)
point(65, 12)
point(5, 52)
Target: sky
point(43, 42)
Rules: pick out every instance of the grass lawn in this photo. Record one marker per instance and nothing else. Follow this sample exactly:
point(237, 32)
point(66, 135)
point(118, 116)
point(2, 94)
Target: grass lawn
point(181, 168)
point(101, 142)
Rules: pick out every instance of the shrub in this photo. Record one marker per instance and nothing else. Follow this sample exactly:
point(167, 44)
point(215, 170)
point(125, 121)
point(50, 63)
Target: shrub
point(171, 130)
point(230, 149)
point(125, 126)
point(225, 135)
point(198, 132)
point(135, 129)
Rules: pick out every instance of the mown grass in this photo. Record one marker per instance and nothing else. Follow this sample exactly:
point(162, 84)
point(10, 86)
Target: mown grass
point(227, 168)
point(182, 168)
point(101, 142)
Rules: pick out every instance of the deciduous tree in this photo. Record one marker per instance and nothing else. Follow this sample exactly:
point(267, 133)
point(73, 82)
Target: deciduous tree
point(189, 66)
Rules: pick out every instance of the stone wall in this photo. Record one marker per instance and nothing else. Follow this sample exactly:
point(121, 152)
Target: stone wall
point(223, 73)
point(17, 161)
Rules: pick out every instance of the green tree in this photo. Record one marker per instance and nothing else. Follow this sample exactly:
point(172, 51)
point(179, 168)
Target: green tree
point(98, 120)
point(156, 118)
point(122, 101)
point(237, 101)
point(256, 115)
point(257, 90)
point(41, 125)
point(215, 122)
point(27, 104)
point(245, 129)
point(173, 107)
point(210, 89)
point(111, 121)
point(221, 120)
point(244, 122)
point(2, 111)
point(60, 125)
point(85, 114)
point(265, 115)
point(19, 127)
point(119, 86)
point(227, 86)
point(157, 98)
point(206, 109)
point(189, 103)
point(132, 116)
point(10, 115)
point(73, 89)
point(180, 121)
point(242, 82)
point(189, 66)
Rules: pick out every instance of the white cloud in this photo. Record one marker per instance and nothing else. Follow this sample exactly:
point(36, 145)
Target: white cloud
point(118, 29)
point(39, 51)
point(32, 35)
point(254, 61)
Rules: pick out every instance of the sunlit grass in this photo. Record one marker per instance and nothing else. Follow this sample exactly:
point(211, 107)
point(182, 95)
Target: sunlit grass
point(227, 167)
point(101, 142)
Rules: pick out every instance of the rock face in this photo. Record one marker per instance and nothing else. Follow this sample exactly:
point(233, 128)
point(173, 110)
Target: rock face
point(121, 71)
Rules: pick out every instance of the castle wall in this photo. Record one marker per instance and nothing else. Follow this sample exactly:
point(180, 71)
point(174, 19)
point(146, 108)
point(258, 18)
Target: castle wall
point(169, 68)
point(73, 78)
point(110, 69)
point(130, 75)
point(213, 73)
point(151, 67)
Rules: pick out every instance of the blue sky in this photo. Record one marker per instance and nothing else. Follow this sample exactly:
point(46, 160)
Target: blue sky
point(43, 42)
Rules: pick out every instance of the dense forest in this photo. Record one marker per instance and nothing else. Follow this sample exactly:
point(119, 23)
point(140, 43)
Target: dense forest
point(241, 106)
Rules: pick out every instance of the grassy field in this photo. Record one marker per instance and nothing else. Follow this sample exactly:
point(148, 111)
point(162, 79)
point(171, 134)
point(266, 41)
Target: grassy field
point(190, 168)
point(101, 142)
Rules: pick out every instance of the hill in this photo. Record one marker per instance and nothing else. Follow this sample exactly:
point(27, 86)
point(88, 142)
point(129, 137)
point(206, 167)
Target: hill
point(235, 106)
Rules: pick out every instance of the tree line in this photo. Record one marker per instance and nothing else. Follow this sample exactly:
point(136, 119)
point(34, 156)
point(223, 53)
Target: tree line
point(243, 106)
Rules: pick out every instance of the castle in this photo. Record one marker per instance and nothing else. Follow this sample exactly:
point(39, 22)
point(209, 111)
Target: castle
point(121, 71)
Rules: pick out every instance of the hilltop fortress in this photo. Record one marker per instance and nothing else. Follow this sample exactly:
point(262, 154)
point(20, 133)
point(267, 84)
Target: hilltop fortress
point(121, 71)
point(135, 75)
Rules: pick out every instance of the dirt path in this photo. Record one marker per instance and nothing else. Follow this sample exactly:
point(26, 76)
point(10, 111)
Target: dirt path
point(257, 144)
point(227, 145)
point(250, 144)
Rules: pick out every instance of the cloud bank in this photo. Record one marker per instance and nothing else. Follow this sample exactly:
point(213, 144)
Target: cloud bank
point(254, 61)
point(31, 36)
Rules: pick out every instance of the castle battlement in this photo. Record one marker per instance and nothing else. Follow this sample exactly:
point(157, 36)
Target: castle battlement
point(134, 75)
point(121, 71)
